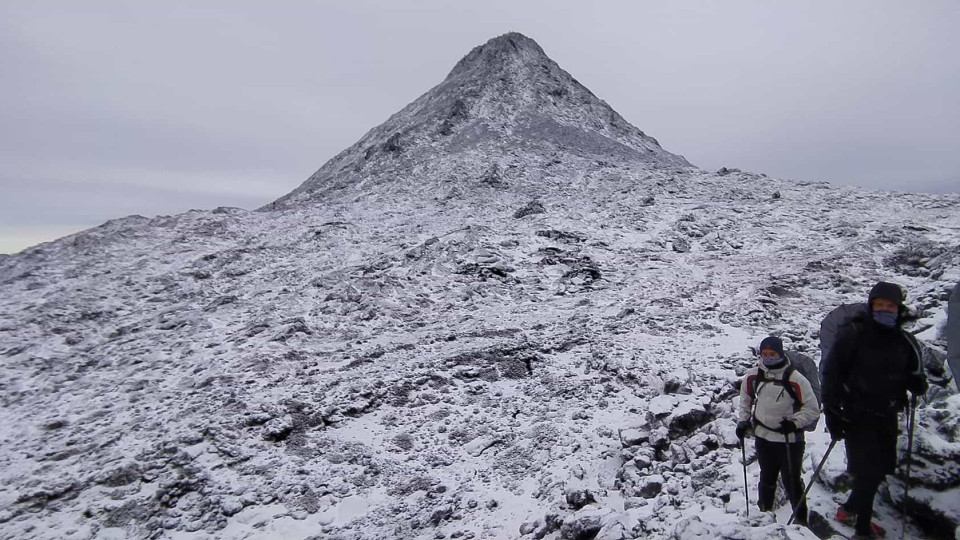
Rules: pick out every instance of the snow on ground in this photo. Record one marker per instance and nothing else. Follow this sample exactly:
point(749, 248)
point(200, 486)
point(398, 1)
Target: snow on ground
point(257, 375)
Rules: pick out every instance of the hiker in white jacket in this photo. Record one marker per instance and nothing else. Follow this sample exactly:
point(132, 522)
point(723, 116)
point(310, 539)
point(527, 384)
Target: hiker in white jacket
point(777, 403)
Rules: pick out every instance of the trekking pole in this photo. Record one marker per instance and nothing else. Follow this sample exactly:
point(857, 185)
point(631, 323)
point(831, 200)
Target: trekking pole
point(906, 488)
point(746, 493)
point(816, 473)
point(793, 487)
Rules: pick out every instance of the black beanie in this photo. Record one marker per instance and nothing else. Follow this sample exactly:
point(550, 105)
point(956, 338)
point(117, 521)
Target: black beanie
point(888, 291)
point(772, 342)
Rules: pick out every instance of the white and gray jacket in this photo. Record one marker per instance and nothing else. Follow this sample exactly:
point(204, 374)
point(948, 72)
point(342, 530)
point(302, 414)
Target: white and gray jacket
point(774, 404)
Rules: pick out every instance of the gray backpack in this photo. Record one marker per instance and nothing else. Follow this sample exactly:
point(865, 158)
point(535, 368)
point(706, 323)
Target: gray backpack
point(830, 327)
point(808, 368)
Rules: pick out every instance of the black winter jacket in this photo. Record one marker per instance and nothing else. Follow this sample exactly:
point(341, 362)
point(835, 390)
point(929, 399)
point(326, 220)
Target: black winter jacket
point(868, 372)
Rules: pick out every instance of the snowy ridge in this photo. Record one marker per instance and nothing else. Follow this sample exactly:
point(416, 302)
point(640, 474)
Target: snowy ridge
point(401, 352)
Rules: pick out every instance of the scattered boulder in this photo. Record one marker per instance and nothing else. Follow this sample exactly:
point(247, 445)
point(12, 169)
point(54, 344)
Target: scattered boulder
point(277, 429)
point(292, 327)
point(677, 382)
point(562, 236)
point(231, 506)
point(680, 245)
point(681, 415)
point(492, 177)
point(458, 112)
point(485, 271)
point(529, 527)
point(633, 437)
point(582, 273)
point(121, 476)
point(221, 301)
point(54, 424)
point(578, 498)
point(441, 515)
point(532, 207)
point(687, 417)
point(493, 363)
point(551, 523)
point(650, 486)
point(403, 441)
point(586, 523)
point(392, 144)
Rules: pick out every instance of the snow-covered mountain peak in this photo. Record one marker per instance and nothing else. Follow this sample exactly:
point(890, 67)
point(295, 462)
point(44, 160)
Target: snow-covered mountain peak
point(510, 48)
point(508, 55)
point(506, 103)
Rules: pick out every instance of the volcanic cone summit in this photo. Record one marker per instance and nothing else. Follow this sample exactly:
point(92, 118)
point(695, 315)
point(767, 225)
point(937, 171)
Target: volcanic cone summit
point(505, 102)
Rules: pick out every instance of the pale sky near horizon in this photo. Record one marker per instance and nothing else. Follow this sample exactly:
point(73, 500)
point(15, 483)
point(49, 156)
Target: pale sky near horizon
point(112, 108)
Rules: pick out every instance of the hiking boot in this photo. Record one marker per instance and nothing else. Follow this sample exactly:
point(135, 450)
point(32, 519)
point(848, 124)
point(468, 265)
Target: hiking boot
point(850, 520)
point(847, 518)
point(874, 535)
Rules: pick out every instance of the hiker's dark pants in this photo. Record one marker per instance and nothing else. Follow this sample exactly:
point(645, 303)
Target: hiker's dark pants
point(772, 457)
point(871, 455)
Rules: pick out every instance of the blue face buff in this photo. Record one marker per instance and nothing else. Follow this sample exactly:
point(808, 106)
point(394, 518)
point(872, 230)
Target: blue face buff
point(771, 361)
point(886, 318)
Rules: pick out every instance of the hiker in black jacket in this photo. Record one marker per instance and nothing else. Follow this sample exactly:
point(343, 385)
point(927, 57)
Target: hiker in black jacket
point(865, 378)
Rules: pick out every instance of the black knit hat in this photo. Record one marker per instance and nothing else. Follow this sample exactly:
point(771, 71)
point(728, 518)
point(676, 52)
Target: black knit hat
point(888, 291)
point(772, 342)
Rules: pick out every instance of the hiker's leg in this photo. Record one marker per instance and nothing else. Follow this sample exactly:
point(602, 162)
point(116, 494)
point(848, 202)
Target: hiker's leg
point(868, 463)
point(866, 489)
point(769, 460)
point(794, 485)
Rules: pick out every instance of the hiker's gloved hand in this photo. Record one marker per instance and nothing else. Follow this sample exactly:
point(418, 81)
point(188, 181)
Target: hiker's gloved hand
point(917, 385)
point(836, 426)
point(742, 429)
point(788, 426)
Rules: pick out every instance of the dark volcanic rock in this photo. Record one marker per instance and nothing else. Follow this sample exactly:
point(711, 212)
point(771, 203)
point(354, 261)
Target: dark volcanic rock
point(532, 207)
point(686, 422)
point(562, 236)
point(578, 498)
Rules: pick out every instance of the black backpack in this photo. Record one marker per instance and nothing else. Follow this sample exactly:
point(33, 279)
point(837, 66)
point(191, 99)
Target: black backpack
point(845, 315)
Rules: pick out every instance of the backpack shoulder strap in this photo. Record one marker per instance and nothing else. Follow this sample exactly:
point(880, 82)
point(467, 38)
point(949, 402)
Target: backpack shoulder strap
point(752, 382)
point(915, 346)
point(789, 387)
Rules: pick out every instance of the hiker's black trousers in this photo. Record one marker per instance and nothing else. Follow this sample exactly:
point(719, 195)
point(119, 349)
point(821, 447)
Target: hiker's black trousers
point(871, 455)
point(772, 457)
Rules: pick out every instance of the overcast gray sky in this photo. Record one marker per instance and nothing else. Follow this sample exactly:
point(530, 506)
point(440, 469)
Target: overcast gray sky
point(113, 108)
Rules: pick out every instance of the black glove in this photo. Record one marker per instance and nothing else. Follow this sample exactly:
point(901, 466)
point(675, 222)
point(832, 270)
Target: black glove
point(742, 429)
point(788, 426)
point(836, 426)
point(917, 384)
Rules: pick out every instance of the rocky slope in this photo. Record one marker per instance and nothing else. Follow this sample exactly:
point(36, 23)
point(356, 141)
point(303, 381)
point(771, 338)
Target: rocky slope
point(503, 313)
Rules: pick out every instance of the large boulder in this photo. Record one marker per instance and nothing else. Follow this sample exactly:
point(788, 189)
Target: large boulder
point(587, 523)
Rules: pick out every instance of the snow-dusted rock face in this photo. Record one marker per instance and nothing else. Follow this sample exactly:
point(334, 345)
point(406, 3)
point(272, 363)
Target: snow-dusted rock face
point(394, 350)
point(506, 115)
